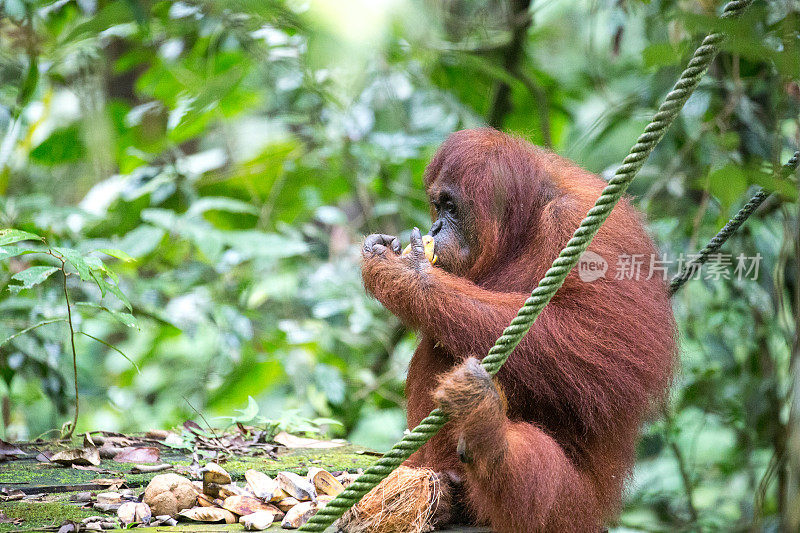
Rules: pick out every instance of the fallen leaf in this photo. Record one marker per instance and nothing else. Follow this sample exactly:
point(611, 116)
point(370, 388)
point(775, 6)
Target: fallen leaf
point(69, 527)
point(193, 427)
point(111, 439)
point(77, 456)
point(9, 451)
point(175, 441)
point(138, 455)
point(109, 497)
point(44, 457)
point(111, 483)
point(143, 469)
point(159, 434)
point(109, 451)
point(91, 468)
point(10, 495)
point(293, 441)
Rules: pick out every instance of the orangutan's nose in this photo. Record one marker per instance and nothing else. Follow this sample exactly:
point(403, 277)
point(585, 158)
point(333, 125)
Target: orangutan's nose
point(435, 228)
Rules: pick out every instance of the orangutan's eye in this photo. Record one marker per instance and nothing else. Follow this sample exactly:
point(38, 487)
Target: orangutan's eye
point(446, 204)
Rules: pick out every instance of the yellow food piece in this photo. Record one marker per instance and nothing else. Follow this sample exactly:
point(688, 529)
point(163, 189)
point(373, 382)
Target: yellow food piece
point(429, 244)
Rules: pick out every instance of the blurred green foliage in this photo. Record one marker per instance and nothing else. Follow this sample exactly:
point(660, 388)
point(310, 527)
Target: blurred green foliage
point(238, 151)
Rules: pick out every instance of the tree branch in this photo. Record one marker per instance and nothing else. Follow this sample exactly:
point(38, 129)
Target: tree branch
point(74, 354)
point(519, 22)
point(542, 104)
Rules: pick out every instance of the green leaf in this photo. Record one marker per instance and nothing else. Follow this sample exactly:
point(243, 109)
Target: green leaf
point(728, 184)
point(31, 81)
point(98, 271)
point(326, 421)
point(100, 281)
point(660, 54)
point(62, 146)
point(101, 341)
point(163, 218)
point(112, 14)
point(114, 252)
point(111, 274)
point(95, 263)
point(213, 203)
point(248, 413)
point(142, 240)
point(30, 328)
point(7, 252)
point(76, 259)
point(776, 182)
point(115, 290)
point(124, 318)
point(252, 243)
point(99, 268)
point(31, 277)
point(8, 236)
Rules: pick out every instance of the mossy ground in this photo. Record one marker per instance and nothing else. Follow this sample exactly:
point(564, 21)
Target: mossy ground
point(56, 481)
point(44, 513)
point(300, 460)
point(29, 473)
point(59, 508)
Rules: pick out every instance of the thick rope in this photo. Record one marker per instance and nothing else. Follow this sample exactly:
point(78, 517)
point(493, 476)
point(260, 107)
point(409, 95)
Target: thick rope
point(729, 229)
point(552, 280)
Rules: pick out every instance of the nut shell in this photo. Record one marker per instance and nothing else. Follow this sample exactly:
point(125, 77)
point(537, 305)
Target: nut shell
point(213, 473)
point(245, 505)
point(257, 521)
point(299, 515)
point(208, 514)
point(167, 494)
point(263, 486)
point(324, 482)
point(296, 486)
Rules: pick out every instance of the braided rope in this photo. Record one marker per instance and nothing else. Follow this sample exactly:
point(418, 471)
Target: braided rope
point(729, 229)
point(552, 280)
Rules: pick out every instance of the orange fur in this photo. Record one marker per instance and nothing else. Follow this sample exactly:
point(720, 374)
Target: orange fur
point(555, 454)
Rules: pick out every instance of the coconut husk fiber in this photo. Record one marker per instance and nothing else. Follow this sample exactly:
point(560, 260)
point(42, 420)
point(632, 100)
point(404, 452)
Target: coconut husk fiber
point(404, 502)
